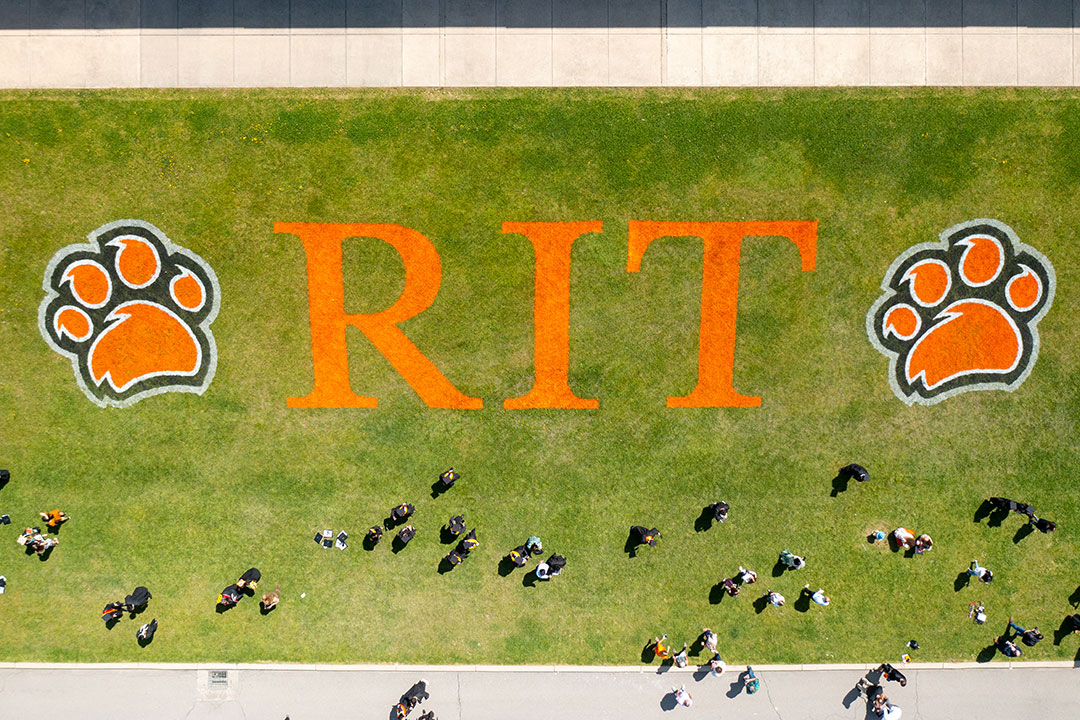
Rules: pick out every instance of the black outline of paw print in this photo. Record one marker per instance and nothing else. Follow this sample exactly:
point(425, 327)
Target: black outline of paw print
point(173, 262)
point(950, 250)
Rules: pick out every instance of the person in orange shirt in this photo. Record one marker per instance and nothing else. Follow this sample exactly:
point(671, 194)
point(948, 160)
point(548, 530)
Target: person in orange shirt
point(54, 518)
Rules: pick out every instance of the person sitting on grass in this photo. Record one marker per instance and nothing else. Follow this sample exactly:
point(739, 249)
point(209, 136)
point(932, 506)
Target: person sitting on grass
point(454, 557)
point(792, 561)
point(146, 632)
point(401, 512)
point(746, 577)
point(556, 563)
point(519, 556)
point(456, 525)
point(448, 478)
point(543, 571)
point(113, 611)
point(406, 534)
point(229, 596)
point(468, 543)
point(1042, 524)
point(978, 571)
point(249, 580)
point(644, 536)
point(54, 518)
point(533, 545)
point(904, 538)
point(374, 535)
point(720, 511)
point(730, 587)
point(856, 471)
point(923, 544)
point(138, 598)
point(774, 598)
point(271, 599)
point(1007, 647)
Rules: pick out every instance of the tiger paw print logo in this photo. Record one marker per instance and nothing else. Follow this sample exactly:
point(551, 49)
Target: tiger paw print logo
point(961, 314)
point(133, 311)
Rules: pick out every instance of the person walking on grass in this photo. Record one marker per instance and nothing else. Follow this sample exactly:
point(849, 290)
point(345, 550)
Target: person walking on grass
point(774, 598)
point(54, 518)
point(978, 571)
point(1030, 637)
point(661, 650)
point(681, 659)
point(708, 639)
point(819, 597)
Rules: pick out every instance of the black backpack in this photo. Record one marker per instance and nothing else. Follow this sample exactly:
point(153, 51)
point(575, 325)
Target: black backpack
point(1031, 637)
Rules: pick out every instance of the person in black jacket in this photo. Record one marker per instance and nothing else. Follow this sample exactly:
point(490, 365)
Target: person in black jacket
point(468, 543)
point(644, 536)
point(229, 596)
point(720, 510)
point(856, 471)
point(146, 633)
point(137, 600)
point(249, 580)
point(402, 512)
point(113, 611)
point(456, 525)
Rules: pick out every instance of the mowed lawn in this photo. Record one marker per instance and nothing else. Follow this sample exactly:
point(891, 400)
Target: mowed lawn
point(182, 493)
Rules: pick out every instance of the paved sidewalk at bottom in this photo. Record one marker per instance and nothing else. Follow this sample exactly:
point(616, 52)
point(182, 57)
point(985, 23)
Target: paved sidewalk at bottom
point(991, 692)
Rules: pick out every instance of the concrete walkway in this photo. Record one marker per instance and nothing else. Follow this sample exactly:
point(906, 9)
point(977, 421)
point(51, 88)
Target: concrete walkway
point(994, 691)
point(335, 43)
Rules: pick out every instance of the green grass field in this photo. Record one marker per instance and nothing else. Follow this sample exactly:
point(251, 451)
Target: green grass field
point(182, 493)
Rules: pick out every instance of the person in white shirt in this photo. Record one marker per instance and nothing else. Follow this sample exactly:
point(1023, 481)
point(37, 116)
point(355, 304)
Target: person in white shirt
point(543, 571)
point(682, 697)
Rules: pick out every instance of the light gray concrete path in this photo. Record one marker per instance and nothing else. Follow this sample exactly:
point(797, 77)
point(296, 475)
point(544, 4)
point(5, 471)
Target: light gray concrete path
point(988, 692)
point(278, 43)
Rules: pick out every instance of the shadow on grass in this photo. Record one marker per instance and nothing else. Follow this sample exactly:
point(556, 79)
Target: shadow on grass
point(445, 536)
point(506, 566)
point(631, 545)
point(445, 566)
point(839, 484)
point(705, 520)
point(529, 579)
point(1064, 630)
point(778, 569)
point(264, 611)
point(437, 489)
point(397, 545)
point(961, 581)
point(986, 654)
point(369, 544)
point(222, 609)
point(1025, 530)
point(761, 603)
point(802, 603)
point(1074, 599)
point(648, 652)
point(110, 624)
point(717, 593)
